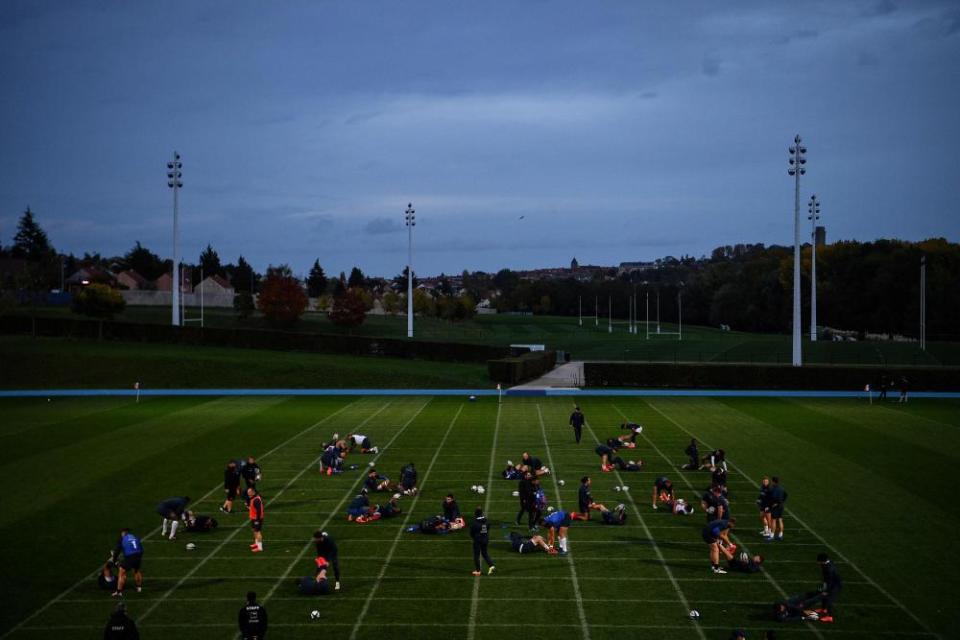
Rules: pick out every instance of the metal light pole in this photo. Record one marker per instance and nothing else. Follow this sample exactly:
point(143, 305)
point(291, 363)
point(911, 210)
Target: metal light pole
point(923, 303)
point(648, 315)
point(814, 210)
point(796, 169)
point(173, 181)
point(596, 311)
point(580, 309)
point(658, 311)
point(411, 222)
point(680, 313)
point(609, 314)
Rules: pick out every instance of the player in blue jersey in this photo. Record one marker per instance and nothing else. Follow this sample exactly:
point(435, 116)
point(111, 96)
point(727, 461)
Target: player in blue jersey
point(359, 506)
point(717, 536)
point(557, 524)
point(130, 551)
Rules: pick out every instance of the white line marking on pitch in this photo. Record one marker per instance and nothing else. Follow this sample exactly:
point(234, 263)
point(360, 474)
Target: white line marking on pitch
point(584, 629)
point(152, 533)
point(816, 535)
point(475, 595)
point(401, 531)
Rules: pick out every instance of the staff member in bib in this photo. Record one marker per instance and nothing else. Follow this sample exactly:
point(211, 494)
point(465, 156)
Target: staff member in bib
point(256, 518)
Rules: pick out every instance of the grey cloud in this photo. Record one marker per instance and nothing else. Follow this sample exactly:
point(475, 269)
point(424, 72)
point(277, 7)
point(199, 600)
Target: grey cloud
point(867, 59)
point(382, 225)
point(710, 67)
point(879, 8)
point(362, 117)
point(649, 95)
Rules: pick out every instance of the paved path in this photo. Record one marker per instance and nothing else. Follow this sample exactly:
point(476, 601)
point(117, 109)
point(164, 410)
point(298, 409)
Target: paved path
point(566, 375)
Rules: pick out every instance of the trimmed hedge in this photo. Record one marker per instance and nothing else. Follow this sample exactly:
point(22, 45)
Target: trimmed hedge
point(250, 339)
point(764, 376)
point(519, 369)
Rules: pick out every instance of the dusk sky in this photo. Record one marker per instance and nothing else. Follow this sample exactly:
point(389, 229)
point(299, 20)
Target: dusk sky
point(524, 133)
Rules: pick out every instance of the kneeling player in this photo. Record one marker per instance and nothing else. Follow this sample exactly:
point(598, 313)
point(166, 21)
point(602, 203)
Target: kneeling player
point(359, 506)
point(585, 502)
point(451, 513)
point(662, 492)
point(357, 440)
point(604, 452)
point(557, 524)
point(745, 563)
point(717, 536)
point(634, 430)
point(693, 453)
point(377, 482)
point(531, 464)
point(331, 461)
point(408, 480)
point(522, 544)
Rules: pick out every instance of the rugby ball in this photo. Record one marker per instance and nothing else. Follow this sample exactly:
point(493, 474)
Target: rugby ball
point(561, 482)
point(315, 615)
point(616, 489)
point(473, 488)
point(625, 488)
point(694, 614)
point(191, 546)
point(370, 464)
point(516, 494)
point(480, 489)
point(473, 398)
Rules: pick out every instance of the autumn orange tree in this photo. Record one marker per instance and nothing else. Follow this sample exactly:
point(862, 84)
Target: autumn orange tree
point(282, 300)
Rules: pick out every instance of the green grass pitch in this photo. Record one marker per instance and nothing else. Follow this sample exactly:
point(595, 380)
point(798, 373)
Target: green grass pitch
point(869, 484)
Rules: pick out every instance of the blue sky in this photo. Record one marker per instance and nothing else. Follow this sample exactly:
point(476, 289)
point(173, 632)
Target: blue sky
point(524, 133)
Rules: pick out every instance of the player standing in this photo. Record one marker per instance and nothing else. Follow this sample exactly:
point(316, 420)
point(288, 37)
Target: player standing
point(830, 588)
point(120, 626)
point(480, 532)
point(576, 421)
point(778, 496)
point(231, 486)
point(327, 549)
point(131, 550)
point(256, 512)
point(717, 535)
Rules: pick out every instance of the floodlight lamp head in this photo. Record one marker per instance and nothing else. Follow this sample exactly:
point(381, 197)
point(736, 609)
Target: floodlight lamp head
point(169, 165)
point(803, 149)
point(791, 171)
point(797, 138)
point(803, 172)
point(176, 156)
point(792, 150)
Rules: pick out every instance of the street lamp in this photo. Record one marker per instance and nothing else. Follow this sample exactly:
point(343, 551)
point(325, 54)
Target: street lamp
point(173, 181)
point(411, 222)
point(796, 169)
point(813, 207)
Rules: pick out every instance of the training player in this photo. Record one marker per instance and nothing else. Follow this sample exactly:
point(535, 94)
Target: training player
point(198, 523)
point(533, 465)
point(252, 619)
point(331, 460)
point(408, 479)
point(662, 492)
point(327, 549)
point(604, 452)
point(359, 506)
point(576, 421)
point(717, 535)
point(557, 524)
point(522, 544)
point(527, 492)
point(714, 459)
point(745, 563)
point(451, 512)
point(376, 482)
point(635, 430)
point(681, 508)
point(389, 510)
point(256, 513)
point(630, 465)
point(616, 517)
point(715, 505)
point(585, 502)
point(171, 510)
point(830, 588)
point(357, 440)
point(130, 551)
point(480, 532)
point(763, 503)
point(108, 574)
point(251, 473)
point(777, 496)
point(694, 454)
point(231, 486)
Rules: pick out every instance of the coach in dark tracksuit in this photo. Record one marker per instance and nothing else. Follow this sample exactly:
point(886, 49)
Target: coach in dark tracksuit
point(576, 421)
point(252, 619)
point(480, 532)
point(830, 588)
point(528, 500)
point(120, 626)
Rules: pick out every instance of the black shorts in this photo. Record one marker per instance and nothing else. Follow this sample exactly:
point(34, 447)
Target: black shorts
point(366, 444)
point(232, 492)
point(777, 512)
point(256, 525)
point(131, 563)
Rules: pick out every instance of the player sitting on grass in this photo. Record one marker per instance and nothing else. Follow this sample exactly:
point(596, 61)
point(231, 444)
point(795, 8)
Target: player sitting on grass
point(451, 512)
point(331, 461)
point(557, 524)
point(681, 508)
point(662, 492)
point(512, 472)
point(634, 430)
point(171, 510)
point(107, 578)
point(693, 453)
point(376, 482)
point(199, 523)
point(531, 464)
point(408, 479)
point(616, 517)
point(585, 502)
point(359, 506)
point(358, 440)
point(745, 563)
point(714, 459)
point(717, 536)
point(523, 544)
point(389, 510)
point(316, 585)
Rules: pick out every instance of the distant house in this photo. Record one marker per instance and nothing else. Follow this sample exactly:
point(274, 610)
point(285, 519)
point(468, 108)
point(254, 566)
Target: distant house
point(89, 275)
point(215, 285)
point(163, 283)
point(633, 267)
point(132, 280)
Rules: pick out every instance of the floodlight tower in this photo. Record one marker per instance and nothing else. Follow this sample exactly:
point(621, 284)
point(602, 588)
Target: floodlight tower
point(796, 169)
point(411, 222)
point(173, 181)
point(813, 207)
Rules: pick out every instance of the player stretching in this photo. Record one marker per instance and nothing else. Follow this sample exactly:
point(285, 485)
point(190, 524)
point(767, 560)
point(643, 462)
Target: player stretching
point(585, 502)
point(171, 510)
point(231, 486)
point(131, 550)
point(717, 535)
point(362, 441)
point(662, 492)
point(327, 549)
point(558, 522)
point(256, 519)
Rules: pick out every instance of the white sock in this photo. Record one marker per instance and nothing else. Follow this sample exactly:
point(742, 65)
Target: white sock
point(163, 527)
point(563, 545)
point(260, 546)
point(173, 528)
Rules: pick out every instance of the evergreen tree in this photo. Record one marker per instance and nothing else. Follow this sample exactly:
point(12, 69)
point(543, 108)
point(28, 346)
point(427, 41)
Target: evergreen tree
point(317, 280)
point(210, 263)
point(31, 241)
point(243, 276)
point(145, 262)
point(356, 280)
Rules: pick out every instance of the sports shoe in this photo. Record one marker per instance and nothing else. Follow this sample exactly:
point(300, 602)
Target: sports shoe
point(222, 510)
point(375, 450)
point(492, 568)
point(826, 618)
point(820, 611)
point(253, 546)
point(336, 586)
point(117, 594)
point(172, 538)
point(780, 537)
point(257, 550)
point(139, 589)
point(477, 573)
point(719, 570)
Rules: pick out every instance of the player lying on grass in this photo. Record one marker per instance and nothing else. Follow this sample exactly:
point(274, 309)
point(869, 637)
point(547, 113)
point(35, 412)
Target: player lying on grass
point(318, 584)
point(231, 486)
point(408, 479)
point(799, 607)
point(745, 563)
point(585, 501)
point(522, 544)
point(171, 510)
point(107, 578)
point(693, 454)
point(634, 430)
point(327, 549)
point(531, 464)
point(512, 472)
point(662, 493)
point(359, 506)
point(557, 523)
point(377, 482)
point(681, 508)
point(616, 517)
point(630, 465)
point(382, 511)
point(199, 523)
point(356, 440)
point(717, 536)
